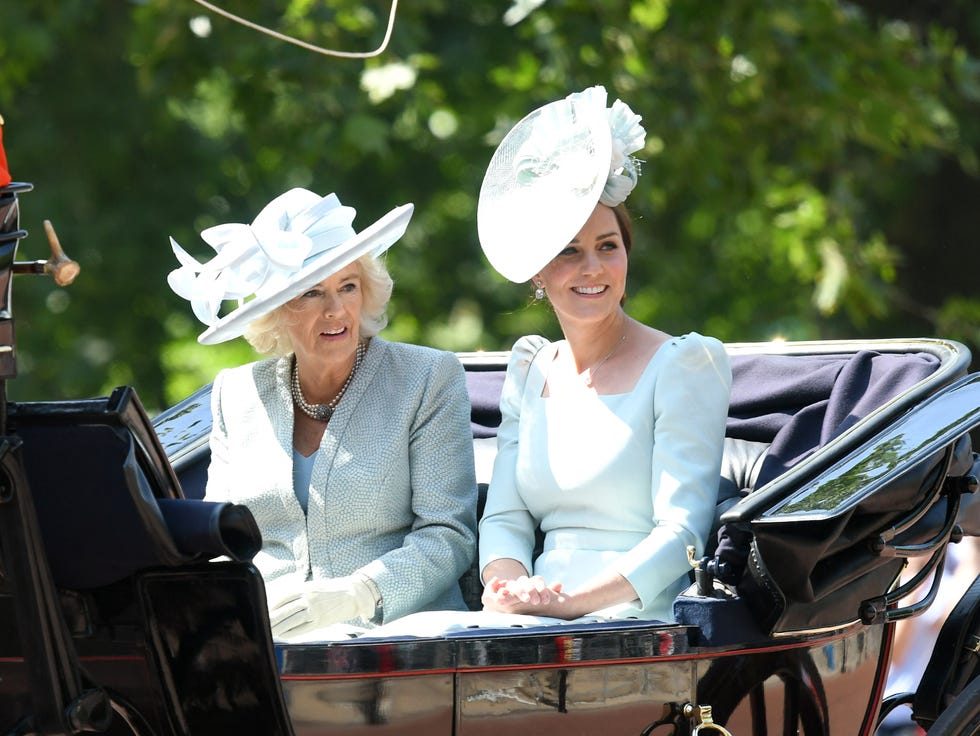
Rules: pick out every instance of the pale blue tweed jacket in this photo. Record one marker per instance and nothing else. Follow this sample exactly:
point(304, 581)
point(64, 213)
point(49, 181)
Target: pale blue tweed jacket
point(393, 491)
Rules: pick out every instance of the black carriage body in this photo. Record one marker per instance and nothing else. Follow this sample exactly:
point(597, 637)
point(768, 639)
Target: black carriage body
point(802, 641)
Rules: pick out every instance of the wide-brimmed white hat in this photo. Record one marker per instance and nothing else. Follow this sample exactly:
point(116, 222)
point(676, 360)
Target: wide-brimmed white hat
point(547, 175)
point(295, 242)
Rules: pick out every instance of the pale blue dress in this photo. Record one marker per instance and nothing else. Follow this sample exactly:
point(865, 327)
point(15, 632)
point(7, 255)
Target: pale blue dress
point(619, 482)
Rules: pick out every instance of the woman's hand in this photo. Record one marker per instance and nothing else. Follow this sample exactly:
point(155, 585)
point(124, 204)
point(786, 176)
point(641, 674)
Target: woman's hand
point(520, 593)
point(510, 589)
point(531, 595)
point(317, 603)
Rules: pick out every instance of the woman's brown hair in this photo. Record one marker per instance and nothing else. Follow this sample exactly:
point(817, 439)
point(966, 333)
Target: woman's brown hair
point(625, 223)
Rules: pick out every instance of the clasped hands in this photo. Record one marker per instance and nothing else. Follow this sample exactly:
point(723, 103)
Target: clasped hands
point(529, 595)
point(298, 608)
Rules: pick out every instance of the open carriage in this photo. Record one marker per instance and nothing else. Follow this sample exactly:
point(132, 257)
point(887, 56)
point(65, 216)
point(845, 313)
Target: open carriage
point(842, 460)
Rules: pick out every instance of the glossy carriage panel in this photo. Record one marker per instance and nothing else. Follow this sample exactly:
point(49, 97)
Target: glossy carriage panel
point(479, 681)
point(403, 705)
point(137, 626)
point(608, 678)
point(609, 699)
point(401, 686)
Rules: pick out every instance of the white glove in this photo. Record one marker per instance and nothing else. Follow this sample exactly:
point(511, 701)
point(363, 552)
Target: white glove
point(318, 603)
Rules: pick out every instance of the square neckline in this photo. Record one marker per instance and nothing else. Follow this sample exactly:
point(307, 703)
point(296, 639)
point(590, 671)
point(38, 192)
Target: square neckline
point(639, 380)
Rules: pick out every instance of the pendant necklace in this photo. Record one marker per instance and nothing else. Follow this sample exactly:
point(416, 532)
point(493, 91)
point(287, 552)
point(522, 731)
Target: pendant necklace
point(323, 412)
point(587, 379)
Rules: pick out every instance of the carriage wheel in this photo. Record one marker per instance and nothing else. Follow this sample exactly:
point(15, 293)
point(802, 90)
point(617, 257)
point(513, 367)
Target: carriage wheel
point(129, 715)
point(962, 716)
point(805, 709)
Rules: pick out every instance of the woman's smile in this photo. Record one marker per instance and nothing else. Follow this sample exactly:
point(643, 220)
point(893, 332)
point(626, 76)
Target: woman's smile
point(589, 290)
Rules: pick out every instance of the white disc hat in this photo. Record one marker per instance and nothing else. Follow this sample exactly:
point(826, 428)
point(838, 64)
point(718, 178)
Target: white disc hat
point(296, 241)
point(548, 174)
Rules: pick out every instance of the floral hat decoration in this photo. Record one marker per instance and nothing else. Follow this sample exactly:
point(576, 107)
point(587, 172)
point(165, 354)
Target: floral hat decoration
point(547, 175)
point(295, 242)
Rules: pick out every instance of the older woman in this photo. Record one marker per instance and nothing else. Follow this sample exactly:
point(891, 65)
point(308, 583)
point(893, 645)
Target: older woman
point(611, 438)
point(353, 453)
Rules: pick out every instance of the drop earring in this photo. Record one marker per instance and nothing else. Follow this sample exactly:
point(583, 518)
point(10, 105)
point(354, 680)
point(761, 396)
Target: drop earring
point(539, 291)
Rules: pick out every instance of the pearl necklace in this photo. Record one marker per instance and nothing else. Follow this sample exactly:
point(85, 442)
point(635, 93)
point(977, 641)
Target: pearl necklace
point(323, 412)
point(587, 379)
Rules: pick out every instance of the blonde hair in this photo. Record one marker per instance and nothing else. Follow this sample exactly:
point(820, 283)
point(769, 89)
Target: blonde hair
point(268, 334)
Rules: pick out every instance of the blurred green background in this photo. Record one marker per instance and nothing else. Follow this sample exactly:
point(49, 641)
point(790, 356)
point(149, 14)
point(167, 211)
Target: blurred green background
point(811, 168)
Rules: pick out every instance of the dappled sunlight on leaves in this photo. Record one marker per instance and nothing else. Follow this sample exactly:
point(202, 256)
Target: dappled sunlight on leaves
point(791, 177)
point(382, 82)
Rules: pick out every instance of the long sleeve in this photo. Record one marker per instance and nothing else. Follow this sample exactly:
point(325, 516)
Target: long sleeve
point(392, 493)
point(219, 482)
point(507, 527)
point(690, 409)
point(440, 545)
point(251, 462)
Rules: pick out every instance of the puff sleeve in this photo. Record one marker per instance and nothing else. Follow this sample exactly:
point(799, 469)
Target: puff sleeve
point(507, 527)
point(690, 410)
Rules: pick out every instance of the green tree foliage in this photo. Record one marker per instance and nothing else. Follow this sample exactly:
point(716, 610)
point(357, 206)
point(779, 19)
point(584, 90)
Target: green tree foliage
point(810, 167)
